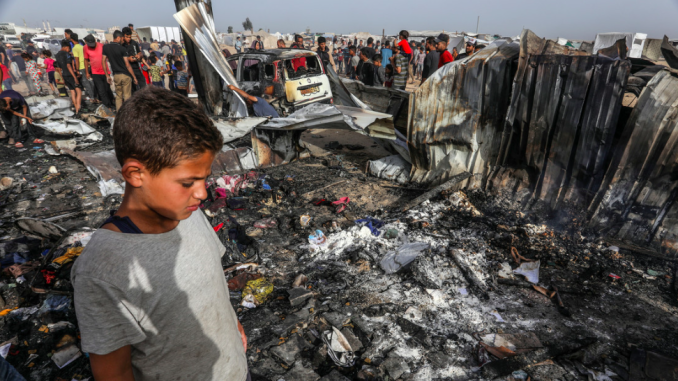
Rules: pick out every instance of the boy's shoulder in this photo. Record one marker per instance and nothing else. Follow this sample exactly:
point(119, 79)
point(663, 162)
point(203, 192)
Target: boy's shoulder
point(109, 254)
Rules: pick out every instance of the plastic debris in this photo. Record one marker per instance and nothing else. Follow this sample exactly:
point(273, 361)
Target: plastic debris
point(305, 220)
point(317, 240)
point(396, 260)
point(256, 292)
point(338, 348)
point(372, 223)
point(66, 356)
point(614, 276)
point(266, 223)
point(530, 270)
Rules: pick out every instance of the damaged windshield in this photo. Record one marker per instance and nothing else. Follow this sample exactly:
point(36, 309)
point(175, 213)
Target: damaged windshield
point(302, 66)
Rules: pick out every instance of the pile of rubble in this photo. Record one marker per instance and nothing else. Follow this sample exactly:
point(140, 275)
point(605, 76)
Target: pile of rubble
point(337, 275)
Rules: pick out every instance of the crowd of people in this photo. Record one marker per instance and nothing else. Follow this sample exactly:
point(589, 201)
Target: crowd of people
point(394, 63)
point(89, 66)
point(86, 68)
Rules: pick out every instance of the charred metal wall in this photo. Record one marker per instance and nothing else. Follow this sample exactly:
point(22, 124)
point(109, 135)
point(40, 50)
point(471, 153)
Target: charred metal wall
point(456, 117)
point(560, 124)
point(636, 202)
point(541, 121)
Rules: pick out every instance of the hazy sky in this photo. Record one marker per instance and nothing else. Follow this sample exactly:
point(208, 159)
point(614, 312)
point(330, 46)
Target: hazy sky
point(573, 19)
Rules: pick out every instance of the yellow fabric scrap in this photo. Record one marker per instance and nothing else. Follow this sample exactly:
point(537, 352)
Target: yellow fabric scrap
point(68, 256)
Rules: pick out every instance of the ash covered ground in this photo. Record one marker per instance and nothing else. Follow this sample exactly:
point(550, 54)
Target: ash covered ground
point(457, 311)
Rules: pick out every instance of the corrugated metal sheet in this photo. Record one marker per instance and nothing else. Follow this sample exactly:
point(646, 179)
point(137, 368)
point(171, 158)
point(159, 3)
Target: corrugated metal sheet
point(637, 200)
point(456, 117)
point(562, 118)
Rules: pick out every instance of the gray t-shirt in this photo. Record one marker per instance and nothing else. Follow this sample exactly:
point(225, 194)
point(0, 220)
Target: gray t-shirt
point(166, 296)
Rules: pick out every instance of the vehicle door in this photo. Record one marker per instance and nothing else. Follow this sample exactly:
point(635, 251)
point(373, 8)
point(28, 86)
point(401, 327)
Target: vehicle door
point(251, 75)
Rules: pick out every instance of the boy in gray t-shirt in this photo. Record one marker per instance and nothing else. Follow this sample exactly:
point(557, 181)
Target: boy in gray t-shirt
point(151, 298)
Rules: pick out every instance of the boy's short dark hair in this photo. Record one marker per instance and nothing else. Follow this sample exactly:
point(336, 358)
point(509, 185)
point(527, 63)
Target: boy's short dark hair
point(179, 64)
point(405, 34)
point(117, 34)
point(65, 31)
point(126, 31)
point(159, 128)
point(74, 36)
point(365, 51)
point(377, 57)
point(370, 40)
point(65, 43)
point(431, 40)
point(389, 67)
point(153, 58)
point(352, 48)
point(47, 53)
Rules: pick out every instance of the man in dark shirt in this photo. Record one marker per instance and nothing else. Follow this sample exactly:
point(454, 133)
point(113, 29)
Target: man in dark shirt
point(431, 60)
point(135, 57)
point(13, 108)
point(123, 76)
point(256, 105)
point(30, 49)
point(370, 48)
point(145, 45)
point(470, 49)
point(366, 73)
point(64, 63)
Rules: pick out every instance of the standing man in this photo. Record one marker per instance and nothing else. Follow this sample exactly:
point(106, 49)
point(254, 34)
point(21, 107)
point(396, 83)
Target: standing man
point(30, 49)
point(420, 62)
point(238, 45)
point(165, 49)
point(470, 48)
point(370, 48)
point(67, 36)
point(69, 74)
point(441, 47)
point(431, 60)
point(145, 45)
point(79, 59)
point(135, 35)
point(355, 61)
point(21, 64)
point(154, 45)
point(400, 69)
point(123, 76)
point(134, 56)
point(366, 74)
point(386, 54)
point(325, 53)
point(93, 53)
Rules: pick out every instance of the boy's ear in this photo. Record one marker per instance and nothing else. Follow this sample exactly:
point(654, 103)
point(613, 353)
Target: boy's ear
point(133, 172)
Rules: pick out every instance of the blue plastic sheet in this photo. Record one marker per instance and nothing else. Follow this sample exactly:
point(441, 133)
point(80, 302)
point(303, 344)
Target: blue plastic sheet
point(372, 223)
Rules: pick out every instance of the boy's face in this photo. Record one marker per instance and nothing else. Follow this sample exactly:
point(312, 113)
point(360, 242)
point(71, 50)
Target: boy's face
point(377, 63)
point(175, 193)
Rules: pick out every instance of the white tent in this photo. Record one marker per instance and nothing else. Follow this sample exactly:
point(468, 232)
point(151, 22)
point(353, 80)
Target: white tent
point(634, 42)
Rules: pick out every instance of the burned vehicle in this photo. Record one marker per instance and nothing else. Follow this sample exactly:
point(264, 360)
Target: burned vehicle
point(293, 77)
